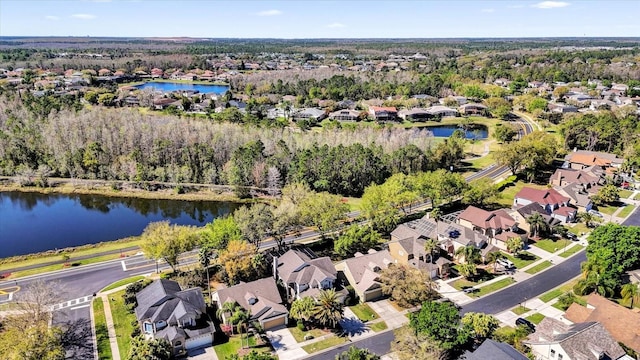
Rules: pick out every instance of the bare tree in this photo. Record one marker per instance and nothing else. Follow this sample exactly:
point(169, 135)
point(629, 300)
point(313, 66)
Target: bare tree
point(274, 181)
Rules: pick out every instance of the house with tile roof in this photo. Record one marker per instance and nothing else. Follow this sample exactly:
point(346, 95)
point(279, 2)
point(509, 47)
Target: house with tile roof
point(555, 340)
point(497, 225)
point(550, 199)
point(362, 272)
point(623, 324)
point(581, 159)
point(587, 177)
point(260, 298)
point(165, 311)
point(522, 213)
point(494, 350)
point(381, 113)
point(302, 274)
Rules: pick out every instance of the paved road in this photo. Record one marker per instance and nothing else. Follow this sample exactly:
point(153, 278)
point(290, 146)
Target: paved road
point(634, 218)
point(379, 344)
point(528, 289)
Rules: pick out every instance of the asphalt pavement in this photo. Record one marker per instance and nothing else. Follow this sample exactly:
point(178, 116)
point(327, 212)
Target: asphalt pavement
point(634, 218)
point(379, 344)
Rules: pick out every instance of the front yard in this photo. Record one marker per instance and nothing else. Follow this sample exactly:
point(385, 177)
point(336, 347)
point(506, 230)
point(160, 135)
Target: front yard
point(300, 334)
point(552, 245)
point(123, 322)
point(539, 267)
point(536, 318)
point(364, 312)
point(231, 347)
point(324, 344)
point(522, 259)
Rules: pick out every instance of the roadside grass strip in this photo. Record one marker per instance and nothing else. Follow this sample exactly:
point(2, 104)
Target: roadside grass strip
point(324, 344)
point(535, 318)
point(364, 312)
point(519, 310)
point(550, 295)
point(122, 282)
point(539, 267)
point(571, 251)
point(379, 326)
point(102, 335)
point(493, 287)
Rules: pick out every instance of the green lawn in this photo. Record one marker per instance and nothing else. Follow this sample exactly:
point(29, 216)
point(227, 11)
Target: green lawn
point(364, 312)
point(102, 335)
point(123, 322)
point(379, 326)
point(523, 259)
point(539, 267)
point(625, 194)
point(535, 318)
point(122, 282)
point(323, 344)
point(493, 287)
point(571, 251)
point(232, 346)
point(519, 310)
point(551, 246)
point(579, 229)
point(299, 334)
point(607, 209)
point(550, 295)
point(465, 283)
point(354, 203)
point(626, 211)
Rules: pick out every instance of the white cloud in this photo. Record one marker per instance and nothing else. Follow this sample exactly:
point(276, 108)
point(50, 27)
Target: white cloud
point(550, 4)
point(83, 16)
point(336, 25)
point(488, 10)
point(51, 17)
point(270, 13)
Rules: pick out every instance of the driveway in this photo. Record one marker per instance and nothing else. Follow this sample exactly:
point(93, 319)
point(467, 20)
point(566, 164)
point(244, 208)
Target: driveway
point(285, 344)
point(207, 353)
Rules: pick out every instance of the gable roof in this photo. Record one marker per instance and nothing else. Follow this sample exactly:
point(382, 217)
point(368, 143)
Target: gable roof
point(495, 351)
point(364, 268)
point(164, 300)
point(587, 340)
point(529, 209)
point(576, 193)
point(294, 266)
point(498, 219)
point(620, 322)
point(590, 158)
point(542, 196)
point(576, 176)
point(388, 109)
point(268, 302)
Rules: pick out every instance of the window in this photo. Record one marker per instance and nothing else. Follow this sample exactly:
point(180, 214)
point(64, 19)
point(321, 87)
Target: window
point(410, 257)
point(148, 328)
point(553, 353)
point(559, 356)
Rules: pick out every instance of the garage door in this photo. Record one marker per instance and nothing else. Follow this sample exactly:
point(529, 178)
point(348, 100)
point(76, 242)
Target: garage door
point(199, 341)
point(269, 324)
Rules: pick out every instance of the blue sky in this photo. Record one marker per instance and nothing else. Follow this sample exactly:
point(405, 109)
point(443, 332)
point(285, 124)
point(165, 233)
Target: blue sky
point(319, 19)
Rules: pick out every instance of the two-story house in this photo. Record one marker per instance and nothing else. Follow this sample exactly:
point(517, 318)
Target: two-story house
point(581, 159)
point(555, 340)
point(165, 311)
point(381, 113)
point(362, 272)
point(303, 274)
point(497, 225)
point(260, 298)
point(555, 204)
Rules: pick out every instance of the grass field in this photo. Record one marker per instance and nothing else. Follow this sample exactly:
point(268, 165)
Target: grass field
point(535, 318)
point(122, 282)
point(509, 193)
point(324, 344)
point(122, 321)
point(102, 335)
point(626, 211)
point(231, 347)
point(571, 251)
point(519, 310)
point(364, 312)
point(522, 260)
point(493, 287)
point(607, 209)
point(379, 326)
point(625, 194)
point(299, 334)
point(551, 246)
point(539, 267)
point(579, 229)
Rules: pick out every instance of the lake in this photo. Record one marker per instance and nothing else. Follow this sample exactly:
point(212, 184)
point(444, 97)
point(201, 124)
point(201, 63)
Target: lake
point(33, 222)
point(480, 132)
point(169, 87)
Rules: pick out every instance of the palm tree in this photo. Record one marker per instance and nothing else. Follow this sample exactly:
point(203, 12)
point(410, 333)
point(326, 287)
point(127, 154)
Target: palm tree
point(470, 253)
point(227, 308)
point(241, 317)
point(467, 270)
point(588, 219)
point(514, 245)
point(537, 223)
point(302, 309)
point(430, 246)
point(493, 257)
point(328, 309)
point(631, 292)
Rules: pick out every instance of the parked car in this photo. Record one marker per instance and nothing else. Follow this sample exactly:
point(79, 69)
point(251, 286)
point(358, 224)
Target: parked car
point(596, 213)
point(572, 236)
point(506, 263)
point(525, 322)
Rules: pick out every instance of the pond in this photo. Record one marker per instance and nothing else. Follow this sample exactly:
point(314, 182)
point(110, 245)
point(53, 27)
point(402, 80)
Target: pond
point(170, 86)
point(477, 133)
point(33, 222)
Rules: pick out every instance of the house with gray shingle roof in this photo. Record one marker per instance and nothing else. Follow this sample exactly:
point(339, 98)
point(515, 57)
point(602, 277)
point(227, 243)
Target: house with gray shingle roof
point(302, 274)
point(165, 311)
point(555, 340)
point(260, 298)
point(495, 351)
point(362, 273)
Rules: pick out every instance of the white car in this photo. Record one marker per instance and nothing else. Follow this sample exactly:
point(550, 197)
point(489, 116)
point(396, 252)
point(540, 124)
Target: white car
point(595, 213)
point(506, 263)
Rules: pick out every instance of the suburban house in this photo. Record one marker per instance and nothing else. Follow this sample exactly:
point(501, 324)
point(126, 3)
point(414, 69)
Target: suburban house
point(312, 114)
point(411, 252)
point(163, 103)
point(383, 113)
point(260, 298)
point(498, 225)
point(494, 350)
point(415, 114)
point(578, 195)
point(303, 274)
point(555, 340)
point(441, 111)
point(554, 203)
point(461, 100)
point(521, 214)
point(561, 108)
point(623, 324)
point(582, 159)
point(345, 115)
point(587, 177)
point(362, 272)
point(472, 109)
point(165, 311)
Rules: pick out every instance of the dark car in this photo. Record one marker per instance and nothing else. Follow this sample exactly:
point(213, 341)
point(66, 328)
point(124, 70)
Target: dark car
point(525, 322)
point(572, 236)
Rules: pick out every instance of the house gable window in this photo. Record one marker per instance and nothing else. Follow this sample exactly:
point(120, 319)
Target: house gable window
point(148, 328)
point(161, 324)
